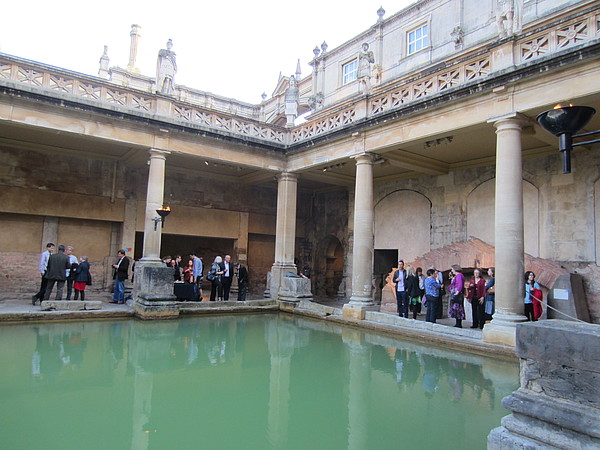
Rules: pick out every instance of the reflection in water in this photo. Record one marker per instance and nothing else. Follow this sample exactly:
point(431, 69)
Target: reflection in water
point(262, 381)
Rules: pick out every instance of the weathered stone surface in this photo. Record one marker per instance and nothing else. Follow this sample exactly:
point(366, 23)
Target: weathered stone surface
point(153, 310)
point(70, 305)
point(156, 284)
point(558, 403)
point(294, 289)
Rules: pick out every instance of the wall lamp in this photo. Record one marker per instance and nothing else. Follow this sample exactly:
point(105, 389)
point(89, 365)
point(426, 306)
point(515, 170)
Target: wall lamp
point(163, 213)
point(564, 122)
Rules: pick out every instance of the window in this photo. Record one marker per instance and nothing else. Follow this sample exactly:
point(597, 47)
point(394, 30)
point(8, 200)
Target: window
point(418, 39)
point(350, 71)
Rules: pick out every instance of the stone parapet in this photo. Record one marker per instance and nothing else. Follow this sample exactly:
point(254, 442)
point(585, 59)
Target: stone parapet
point(558, 403)
point(70, 305)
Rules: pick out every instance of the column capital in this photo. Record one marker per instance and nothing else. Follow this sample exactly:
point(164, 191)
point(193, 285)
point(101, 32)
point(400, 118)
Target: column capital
point(156, 153)
point(287, 176)
point(512, 118)
point(364, 158)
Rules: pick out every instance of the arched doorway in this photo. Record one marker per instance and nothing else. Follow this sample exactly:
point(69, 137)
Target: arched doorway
point(329, 267)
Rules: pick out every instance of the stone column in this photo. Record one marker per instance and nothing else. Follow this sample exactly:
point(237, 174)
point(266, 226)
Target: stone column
point(154, 201)
point(510, 253)
point(153, 285)
point(285, 233)
point(362, 256)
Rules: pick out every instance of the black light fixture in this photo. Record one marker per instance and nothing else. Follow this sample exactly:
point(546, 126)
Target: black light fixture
point(564, 122)
point(163, 213)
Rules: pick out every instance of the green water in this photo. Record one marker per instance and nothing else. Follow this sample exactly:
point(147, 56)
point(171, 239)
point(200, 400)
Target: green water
point(240, 382)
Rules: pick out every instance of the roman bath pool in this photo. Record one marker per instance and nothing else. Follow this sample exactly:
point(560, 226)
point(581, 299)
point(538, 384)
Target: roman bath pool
point(265, 381)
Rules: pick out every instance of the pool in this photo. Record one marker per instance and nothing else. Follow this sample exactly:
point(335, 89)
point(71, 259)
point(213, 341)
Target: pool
point(268, 381)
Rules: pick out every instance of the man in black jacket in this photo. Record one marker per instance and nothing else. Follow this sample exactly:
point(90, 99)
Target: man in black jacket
point(56, 273)
point(120, 274)
point(242, 282)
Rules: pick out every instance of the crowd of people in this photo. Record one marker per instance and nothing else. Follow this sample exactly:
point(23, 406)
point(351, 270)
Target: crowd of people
point(221, 274)
point(414, 290)
point(60, 268)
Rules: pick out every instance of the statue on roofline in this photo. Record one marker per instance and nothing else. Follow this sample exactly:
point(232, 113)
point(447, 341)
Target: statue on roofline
point(166, 68)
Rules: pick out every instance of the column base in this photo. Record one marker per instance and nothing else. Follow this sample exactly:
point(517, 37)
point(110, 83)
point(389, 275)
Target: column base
point(278, 272)
point(503, 329)
point(356, 310)
point(155, 310)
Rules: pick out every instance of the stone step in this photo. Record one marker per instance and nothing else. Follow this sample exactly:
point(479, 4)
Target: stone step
point(70, 305)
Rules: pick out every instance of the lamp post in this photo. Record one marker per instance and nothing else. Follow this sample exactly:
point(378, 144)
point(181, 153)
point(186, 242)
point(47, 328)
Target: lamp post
point(564, 122)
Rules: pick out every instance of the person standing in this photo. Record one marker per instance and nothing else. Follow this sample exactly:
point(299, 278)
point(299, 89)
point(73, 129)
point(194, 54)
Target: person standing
point(176, 263)
point(242, 281)
point(197, 273)
point(457, 286)
point(401, 295)
point(214, 275)
point(476, 296)
point(70, 270)
point(432, 295)
point(42, 267)
point(413, 291)
point(227, 277)
point(58, 263)
point(490, 295)
point(530, 285)
point(82, 278)
point(120, 274)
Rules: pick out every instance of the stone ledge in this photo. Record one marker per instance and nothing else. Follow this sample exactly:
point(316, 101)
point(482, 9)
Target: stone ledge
point(70, 305)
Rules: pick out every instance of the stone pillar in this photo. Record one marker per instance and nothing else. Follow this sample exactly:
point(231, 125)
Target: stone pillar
point(153, 286)
point(362, 255)
point(510, 253)
point(133, 47)
point(154, 201)
point(49, 231)
point(285, 233)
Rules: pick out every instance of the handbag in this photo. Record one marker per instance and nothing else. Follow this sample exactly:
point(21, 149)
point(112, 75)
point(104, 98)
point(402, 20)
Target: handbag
point(89, 280)
point(210, 276)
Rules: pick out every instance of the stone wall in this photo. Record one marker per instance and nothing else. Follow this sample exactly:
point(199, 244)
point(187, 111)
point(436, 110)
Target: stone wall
point(563, 231)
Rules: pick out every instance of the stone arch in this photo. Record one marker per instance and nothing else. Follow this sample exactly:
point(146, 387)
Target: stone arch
point(329, 267)
point(481, 214)
point(403, 222)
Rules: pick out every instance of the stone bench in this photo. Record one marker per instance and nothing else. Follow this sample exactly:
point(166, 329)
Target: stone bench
point(70, 305)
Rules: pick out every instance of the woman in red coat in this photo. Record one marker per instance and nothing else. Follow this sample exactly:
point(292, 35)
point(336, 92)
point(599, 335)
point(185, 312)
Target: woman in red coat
point(476, 295)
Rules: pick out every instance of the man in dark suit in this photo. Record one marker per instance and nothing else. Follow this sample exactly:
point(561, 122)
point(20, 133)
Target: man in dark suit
point(56, 273)
point(242, 282)
point(120, 274)
point(401, 294)
point(227, 277)
point(43, 266)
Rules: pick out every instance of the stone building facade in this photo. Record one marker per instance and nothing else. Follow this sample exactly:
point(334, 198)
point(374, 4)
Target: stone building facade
point(413, 131)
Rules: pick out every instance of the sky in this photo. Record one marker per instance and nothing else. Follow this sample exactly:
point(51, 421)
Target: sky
point(231, 48)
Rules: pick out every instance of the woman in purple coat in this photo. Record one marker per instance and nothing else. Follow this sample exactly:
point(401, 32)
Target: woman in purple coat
point(457, 310)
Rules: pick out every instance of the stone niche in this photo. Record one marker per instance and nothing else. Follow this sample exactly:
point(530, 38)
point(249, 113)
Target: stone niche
point(558, 403)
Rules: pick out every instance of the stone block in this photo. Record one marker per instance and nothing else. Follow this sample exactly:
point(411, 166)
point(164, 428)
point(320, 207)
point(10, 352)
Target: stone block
point(294, 289)
point(353, 312)
point(155, 284)
point(70, 305)
point(558, 403)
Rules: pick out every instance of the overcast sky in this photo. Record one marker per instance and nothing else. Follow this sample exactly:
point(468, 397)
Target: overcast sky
point(231, 48)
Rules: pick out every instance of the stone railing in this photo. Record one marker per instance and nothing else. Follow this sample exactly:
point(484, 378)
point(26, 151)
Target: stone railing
point(75, 86)
point(105, 93)
point(567, 34)
point(436, 83)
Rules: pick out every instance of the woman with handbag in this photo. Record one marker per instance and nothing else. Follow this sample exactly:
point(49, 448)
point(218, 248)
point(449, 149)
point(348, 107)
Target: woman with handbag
point(214, 276)
point(82, 278)
point(457, 310)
